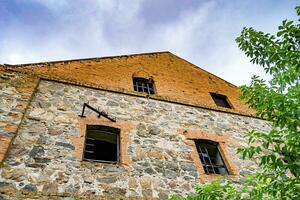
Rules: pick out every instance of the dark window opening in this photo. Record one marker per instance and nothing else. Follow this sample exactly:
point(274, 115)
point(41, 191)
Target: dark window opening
point(102, 144)
point(220, 100)
point(143, 85)
point(289, 158)
point(210, 157)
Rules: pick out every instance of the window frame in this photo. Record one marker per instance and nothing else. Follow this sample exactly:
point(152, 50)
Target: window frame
point(212, 165)
point(103, 161)
point(223, 142)
point(215, 95)
point(143, 81)
point(126, 127)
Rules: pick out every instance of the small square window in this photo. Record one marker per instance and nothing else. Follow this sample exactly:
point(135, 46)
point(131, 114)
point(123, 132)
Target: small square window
point(143, 85)
point(210, 157)
point(220, 100)
point(102, 144)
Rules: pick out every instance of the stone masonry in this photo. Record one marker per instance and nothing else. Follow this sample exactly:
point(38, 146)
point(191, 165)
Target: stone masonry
point(16, 92)
point(43, 157)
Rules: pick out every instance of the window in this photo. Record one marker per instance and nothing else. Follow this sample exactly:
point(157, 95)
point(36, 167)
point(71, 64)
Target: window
point(143, 85)
point(220, 100)
point(289, 158)
point(210, 157)
point(102, 144)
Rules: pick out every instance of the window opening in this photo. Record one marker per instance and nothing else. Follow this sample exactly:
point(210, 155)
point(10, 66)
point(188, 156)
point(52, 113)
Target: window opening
point(288, 158)
point(220, 100)
point(210, 157)
point(143, 85)
point(102, 144)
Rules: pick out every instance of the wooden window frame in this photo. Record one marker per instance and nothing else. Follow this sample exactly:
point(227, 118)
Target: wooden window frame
point(144, 81)
point(209, 165)
point(117, 147)
point(124, 137)
point(223, 142)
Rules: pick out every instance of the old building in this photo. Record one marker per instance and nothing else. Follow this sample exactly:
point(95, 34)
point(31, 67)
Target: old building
point(137, 126)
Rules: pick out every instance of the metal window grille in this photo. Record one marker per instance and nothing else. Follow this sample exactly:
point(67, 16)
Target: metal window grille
point(210, 157)
point(102, 144)
point(220, 100)
point(143, 85)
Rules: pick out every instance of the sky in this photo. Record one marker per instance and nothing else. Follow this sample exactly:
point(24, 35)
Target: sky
point(200, 31)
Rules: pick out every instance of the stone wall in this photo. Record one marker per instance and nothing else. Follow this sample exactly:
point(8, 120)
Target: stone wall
point(44, 155)
point(15, 94)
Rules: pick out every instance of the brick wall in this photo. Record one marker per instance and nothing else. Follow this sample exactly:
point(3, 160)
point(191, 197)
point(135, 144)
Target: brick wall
point(115, 73)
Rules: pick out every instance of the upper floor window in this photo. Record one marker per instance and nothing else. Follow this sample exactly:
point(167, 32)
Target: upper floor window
point(210, 157)
point(220, 100)
point(143, 85)
point(102, 144)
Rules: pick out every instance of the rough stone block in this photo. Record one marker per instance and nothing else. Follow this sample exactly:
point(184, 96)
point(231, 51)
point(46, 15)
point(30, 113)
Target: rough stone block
point(4, 144)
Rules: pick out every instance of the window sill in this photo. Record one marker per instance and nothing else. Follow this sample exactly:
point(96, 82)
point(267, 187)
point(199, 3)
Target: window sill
point(89, 164)
point(205, 178)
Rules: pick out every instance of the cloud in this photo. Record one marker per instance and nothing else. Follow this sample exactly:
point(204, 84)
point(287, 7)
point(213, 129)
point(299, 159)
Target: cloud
point(53, 5)
point(202, 32)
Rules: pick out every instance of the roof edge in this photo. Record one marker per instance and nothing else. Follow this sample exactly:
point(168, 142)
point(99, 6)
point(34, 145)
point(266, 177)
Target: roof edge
point(118, 56)
point(195, 66)
point(84, 59)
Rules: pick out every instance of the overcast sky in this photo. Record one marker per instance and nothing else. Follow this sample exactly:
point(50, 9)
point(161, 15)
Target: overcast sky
point(201, 31)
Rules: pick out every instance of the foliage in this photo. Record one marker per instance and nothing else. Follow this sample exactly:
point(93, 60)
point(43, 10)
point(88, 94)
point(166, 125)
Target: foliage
point(278, 101)
point(214, 190)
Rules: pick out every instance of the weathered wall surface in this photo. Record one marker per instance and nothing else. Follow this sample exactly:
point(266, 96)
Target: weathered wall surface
point(166, 69)
point(43, 155)
point(15, 94)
